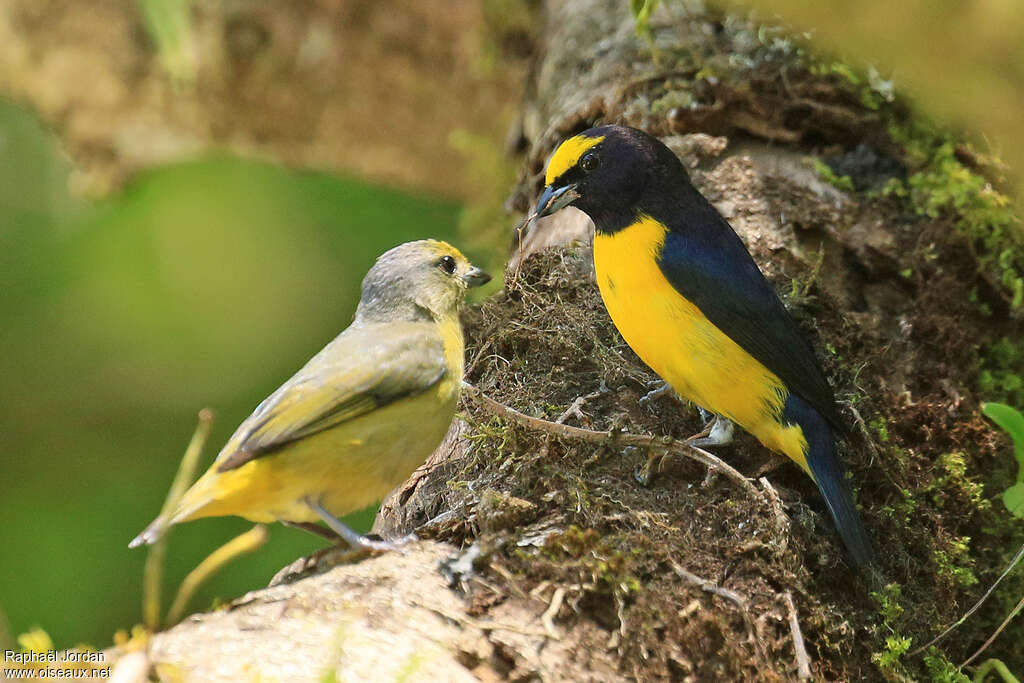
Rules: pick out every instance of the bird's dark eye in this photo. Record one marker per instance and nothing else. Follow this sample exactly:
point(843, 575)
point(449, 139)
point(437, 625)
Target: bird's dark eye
point(447, 264)
point(589, 162)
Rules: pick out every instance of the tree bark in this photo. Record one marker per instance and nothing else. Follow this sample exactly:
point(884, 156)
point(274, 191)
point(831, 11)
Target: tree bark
point(318, 84)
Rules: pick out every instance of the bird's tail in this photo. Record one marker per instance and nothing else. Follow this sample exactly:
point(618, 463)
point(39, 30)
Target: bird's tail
point(830, 476)
point(191, 504)
point(152, 533)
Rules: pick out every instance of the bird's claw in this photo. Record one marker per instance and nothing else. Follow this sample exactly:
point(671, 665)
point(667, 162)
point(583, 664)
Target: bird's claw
point(379, 546)
point(657, 388)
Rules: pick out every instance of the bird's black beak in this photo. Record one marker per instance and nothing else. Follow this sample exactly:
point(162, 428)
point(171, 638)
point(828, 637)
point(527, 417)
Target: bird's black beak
point(475, 277)
point(555, 198)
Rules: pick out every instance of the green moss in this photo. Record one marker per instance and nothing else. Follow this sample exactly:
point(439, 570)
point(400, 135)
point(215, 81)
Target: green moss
point(573, 543)
point(881, 428)
point(609, 568)
point(942, 670)
point(904, 509)
point(953, 487)
point(672, 99)
point(896, 645)
point(888, 600)
point(1002, 368)
point(825, 172)
point(494, 432)
point(889, 658)
point(871, 90)
point(940, 185)
point(955, 563)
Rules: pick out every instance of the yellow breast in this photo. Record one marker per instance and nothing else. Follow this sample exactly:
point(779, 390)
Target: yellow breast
point(677, 341)
point(454, 356)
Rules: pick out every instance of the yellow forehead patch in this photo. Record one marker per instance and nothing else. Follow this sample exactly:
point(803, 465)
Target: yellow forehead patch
point(567, 154)
point(441, 248)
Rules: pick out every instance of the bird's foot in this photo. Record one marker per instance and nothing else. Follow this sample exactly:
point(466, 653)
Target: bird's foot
point(718, 432)
point(657, 388)
point(353, 539)
point(352, 548)
point(376, 546)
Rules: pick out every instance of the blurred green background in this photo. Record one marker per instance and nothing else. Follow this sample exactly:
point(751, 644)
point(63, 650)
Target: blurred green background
point(201, 284)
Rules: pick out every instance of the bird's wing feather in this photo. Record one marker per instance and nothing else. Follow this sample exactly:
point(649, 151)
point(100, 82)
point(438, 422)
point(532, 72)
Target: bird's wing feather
point(364, 368)
point(706, 262)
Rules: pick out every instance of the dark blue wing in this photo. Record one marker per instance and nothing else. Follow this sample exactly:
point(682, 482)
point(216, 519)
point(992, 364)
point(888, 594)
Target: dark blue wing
point(706, 262)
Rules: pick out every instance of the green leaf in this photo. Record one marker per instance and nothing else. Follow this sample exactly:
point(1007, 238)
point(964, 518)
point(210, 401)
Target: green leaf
point(1012, 423)
point(1013, 498)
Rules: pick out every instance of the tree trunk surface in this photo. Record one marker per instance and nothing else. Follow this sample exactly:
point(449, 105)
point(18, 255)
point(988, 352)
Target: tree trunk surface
point(546, 559)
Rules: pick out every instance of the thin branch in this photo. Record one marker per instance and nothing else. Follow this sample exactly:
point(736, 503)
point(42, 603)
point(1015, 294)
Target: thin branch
point(710, 586)
point(244, 543)
point(575, 409)
point(551, 612)
point(972, 610)
point(999, 630)
point(781, 519)
point(152, 574)
point(803, 662)
point(645, 441)
point(739, 600)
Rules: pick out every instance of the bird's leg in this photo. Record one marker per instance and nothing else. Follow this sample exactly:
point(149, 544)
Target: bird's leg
point(313, 528)
point(354, 540)
point(718, 432)
point(658, 387)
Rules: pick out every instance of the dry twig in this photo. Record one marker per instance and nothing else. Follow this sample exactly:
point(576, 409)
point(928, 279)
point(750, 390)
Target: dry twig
point(733, 596)
point(712, 462)
point(549, 614)
point(1007, 620)
point(781, 520)
point(239, 545)
point(973, 609)
point(803, 662)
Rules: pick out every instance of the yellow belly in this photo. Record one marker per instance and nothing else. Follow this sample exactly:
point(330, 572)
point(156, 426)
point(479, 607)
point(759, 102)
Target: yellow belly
point(674, 338)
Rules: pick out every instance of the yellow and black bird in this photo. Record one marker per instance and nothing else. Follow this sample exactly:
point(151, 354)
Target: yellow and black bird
point(360, 416)
point(686, 295)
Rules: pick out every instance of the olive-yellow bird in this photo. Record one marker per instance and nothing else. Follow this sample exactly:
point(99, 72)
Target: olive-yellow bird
point(686, 295)
point(360, 416)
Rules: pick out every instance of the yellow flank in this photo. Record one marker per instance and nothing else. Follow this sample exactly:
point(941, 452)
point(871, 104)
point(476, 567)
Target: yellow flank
point(568, 154)
point(673, 337)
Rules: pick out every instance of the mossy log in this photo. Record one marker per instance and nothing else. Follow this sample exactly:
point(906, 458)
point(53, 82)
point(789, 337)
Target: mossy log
point(546, 559)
